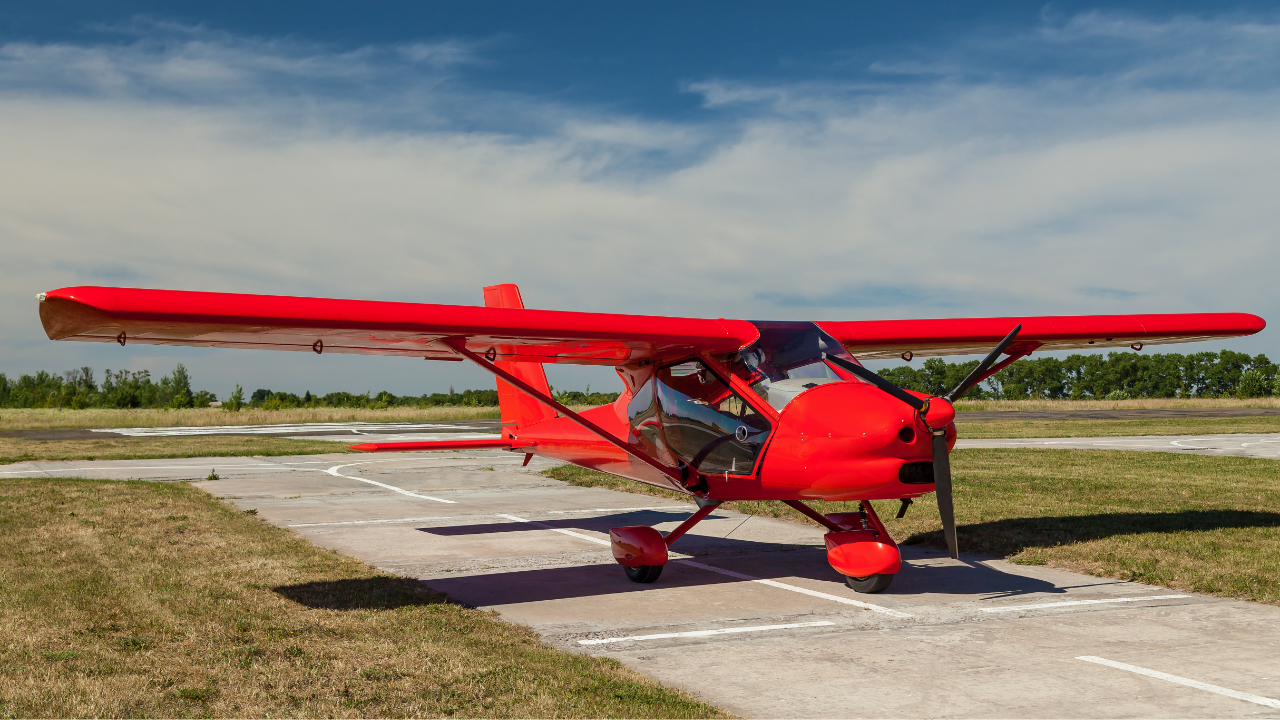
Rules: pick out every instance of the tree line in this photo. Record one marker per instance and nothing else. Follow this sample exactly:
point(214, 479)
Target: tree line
point(77, 389)
point(1117, 376)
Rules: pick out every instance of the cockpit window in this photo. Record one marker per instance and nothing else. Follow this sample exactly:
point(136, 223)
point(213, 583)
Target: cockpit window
point(706, 424)
point(787, 360)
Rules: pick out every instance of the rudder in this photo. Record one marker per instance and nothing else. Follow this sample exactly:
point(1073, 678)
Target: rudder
point(517, 408)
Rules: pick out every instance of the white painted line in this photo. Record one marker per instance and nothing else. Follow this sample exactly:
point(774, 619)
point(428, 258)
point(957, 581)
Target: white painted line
point(803, 591)
point(656, 507)
point(371, 522)
point(1258, 699)
point(704, 633)
point(559, 530)
point(1041, 606)
point(334, 471)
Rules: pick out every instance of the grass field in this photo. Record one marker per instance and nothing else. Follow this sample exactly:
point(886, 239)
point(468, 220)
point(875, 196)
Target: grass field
point(1138, 404)
point(13, 450)
point(57, 419)
point(1016, 427)
point(131, 599)
point(1190, 522)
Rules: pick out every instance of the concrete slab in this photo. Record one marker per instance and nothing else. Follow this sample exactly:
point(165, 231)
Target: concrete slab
point(971, 638)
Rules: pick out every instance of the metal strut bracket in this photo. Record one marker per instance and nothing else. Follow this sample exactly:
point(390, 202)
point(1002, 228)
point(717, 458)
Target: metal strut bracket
point(459, 345)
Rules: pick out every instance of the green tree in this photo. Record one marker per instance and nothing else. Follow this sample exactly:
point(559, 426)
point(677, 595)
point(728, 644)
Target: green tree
point(236, 401)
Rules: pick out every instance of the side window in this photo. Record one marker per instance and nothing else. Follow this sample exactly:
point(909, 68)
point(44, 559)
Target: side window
point(705, 423)
point(643, 416)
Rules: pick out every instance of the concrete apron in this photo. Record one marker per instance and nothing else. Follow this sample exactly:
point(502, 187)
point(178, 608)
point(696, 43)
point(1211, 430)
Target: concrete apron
point(969, 638)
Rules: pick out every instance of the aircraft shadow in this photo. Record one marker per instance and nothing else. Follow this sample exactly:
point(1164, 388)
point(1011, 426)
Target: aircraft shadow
point(375, 593)
point(1013, 535)
point(597, 523)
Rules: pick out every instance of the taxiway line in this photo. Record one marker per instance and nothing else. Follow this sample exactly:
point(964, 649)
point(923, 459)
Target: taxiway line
point(704, 633)
point(559, 530)
point(334, 471)
point(1042, 606)
point(372, 522)
point(797, 589)
point(656, 507)
point(1258, 699)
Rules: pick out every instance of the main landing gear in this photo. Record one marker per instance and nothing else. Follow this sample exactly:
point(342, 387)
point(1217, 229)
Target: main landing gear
point(642, 551)
point(858, 547)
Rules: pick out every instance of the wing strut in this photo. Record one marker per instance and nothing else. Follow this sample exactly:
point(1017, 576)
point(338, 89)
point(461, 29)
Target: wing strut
point(459, 346)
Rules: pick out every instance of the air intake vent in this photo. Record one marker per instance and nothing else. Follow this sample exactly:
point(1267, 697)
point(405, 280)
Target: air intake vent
point(916, 473)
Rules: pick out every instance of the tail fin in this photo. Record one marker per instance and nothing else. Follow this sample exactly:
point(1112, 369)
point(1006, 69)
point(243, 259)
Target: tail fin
point(518, 409)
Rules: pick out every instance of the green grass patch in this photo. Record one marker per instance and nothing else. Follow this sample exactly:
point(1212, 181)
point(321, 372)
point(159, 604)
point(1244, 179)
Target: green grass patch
point(1014, 427)
point(1189, 522)
point(14, 450)
point(130, 616)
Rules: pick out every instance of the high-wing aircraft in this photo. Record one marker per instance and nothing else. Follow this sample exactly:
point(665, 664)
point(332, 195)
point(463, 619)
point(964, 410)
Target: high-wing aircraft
point(718, 409)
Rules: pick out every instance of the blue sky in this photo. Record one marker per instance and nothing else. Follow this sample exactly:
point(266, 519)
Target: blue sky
point(738, 159)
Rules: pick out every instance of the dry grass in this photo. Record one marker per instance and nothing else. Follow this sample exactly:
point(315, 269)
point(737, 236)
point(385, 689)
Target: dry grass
point(56, 419)
point(13, 450)
point(1189, 522)
point(1138, 404)
point(130, 599)
point(1016, 427)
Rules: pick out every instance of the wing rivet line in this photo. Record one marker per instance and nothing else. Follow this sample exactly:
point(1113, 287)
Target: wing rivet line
point(318, 347)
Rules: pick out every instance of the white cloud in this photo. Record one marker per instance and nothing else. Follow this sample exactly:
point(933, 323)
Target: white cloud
point(202, 161)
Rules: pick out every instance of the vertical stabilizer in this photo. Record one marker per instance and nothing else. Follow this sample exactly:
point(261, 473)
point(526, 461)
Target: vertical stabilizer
point(518, 409)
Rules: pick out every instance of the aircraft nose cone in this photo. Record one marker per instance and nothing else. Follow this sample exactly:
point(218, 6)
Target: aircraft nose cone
point(941, 413)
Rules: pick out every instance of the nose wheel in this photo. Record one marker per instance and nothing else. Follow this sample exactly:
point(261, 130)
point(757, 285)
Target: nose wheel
point(643, 573)
point(868, 584)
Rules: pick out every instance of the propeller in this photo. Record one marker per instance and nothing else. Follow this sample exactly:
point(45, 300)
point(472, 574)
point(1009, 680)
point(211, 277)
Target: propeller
point(941, 459)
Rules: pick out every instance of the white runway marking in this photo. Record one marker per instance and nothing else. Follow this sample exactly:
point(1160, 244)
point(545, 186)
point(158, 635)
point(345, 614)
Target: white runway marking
point(1070, 603)
point(372, 522)
point(704, 633)
point(334, 471)
point(659, 507)
point(803, 591)
point(1258, 699)
point(559, 530)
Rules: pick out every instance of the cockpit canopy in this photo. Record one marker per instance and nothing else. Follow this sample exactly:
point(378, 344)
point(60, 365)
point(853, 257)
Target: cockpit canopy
point(787, 360)
point(686, 414)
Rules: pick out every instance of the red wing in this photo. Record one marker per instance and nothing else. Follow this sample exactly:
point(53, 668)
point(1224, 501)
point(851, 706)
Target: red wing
point(884, 339)
point(174, 317)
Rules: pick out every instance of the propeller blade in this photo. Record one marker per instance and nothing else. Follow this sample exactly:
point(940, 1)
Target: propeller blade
point(942, 488)
point(879, 382)
point(982, 368)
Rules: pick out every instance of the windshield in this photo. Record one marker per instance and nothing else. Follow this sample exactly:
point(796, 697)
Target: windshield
point(787, 360)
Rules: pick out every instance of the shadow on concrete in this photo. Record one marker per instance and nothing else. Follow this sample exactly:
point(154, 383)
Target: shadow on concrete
point(375, 593)
point(808, 564)
point(1003, 538)
point(599, 523)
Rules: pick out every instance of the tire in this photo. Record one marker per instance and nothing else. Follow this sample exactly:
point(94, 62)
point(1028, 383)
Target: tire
point(868, 584)
point(643, 574)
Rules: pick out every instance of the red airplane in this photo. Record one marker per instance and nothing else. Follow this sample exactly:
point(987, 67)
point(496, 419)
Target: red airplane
point(718, 409)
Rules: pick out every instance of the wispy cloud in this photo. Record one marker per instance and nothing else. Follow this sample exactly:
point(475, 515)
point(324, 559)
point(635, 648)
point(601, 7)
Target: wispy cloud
point(195, 159)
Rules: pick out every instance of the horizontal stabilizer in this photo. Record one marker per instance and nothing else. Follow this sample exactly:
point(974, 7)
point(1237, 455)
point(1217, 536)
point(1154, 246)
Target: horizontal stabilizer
point(485, 444)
